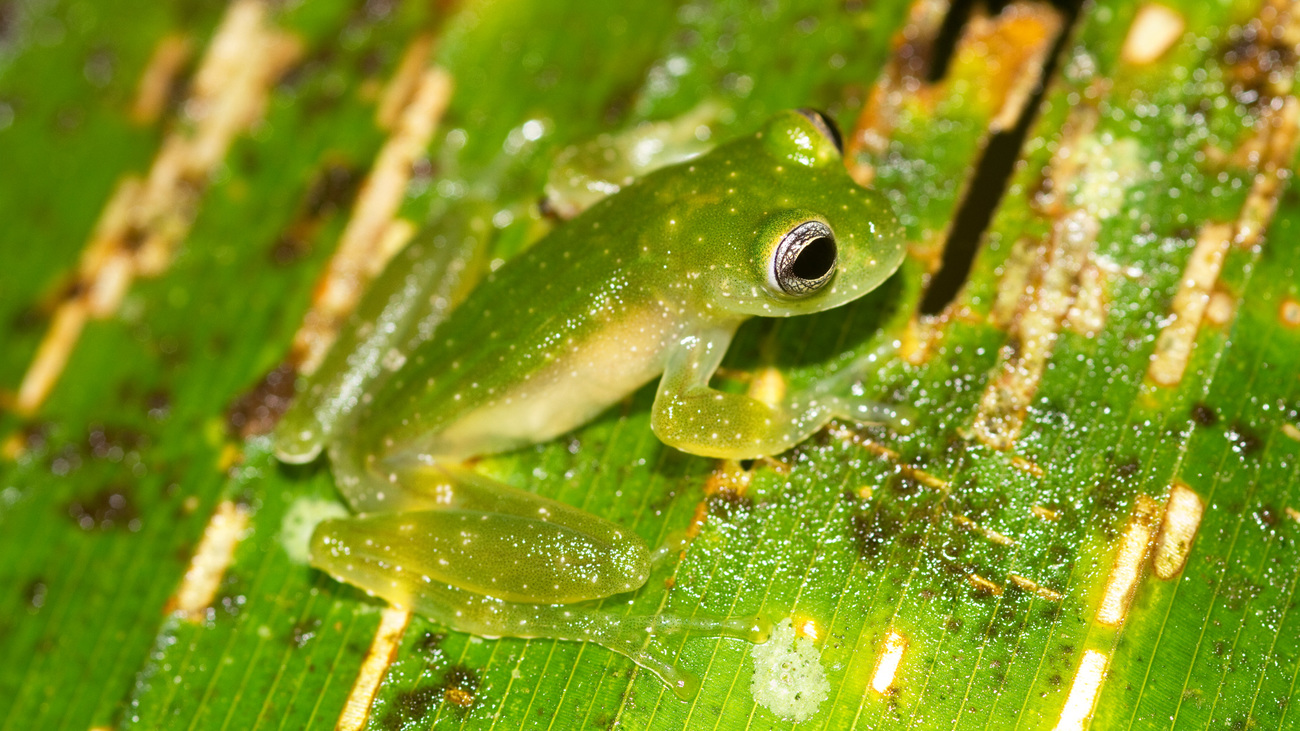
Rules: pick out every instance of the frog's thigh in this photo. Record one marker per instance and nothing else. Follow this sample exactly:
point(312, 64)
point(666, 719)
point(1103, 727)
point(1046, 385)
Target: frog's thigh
point(514, 558)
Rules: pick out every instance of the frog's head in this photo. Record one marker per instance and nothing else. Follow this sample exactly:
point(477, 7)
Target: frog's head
point(811, 238)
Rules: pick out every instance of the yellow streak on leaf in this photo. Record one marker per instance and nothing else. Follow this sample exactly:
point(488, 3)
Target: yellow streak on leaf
point(406, 80)
point(1034, 332)
point(1026, 466)
point(214, 553)
point(1033, 586)
point(891, 655)
point(983, 584)
point(145, 220)
point(1174, 344)
point(1004, 53)
point(369, 239)
point(1083, 692)
point(1154, 30)
point(383, 649)
point(1127, 570)
point(988, 533)
point(1183, 513)
point(168, 59)
point(1289, 313)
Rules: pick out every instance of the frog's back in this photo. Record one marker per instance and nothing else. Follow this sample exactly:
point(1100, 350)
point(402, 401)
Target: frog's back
point(542, 345)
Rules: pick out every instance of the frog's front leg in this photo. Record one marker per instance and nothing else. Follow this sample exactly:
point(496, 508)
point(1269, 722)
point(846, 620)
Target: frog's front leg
point(695, 418)
point(482, 557)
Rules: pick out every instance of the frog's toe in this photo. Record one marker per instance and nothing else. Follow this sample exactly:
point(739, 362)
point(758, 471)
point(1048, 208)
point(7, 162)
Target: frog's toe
point(628, 638)
point(899, 418)
point(905, 419)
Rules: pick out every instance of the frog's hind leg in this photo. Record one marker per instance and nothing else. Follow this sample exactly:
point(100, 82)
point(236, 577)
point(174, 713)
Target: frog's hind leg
point(482, 557)
point(392, 556)
point(486, 538)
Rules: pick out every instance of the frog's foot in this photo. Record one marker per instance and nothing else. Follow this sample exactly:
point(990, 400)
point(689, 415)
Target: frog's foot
point(672, 547)
point(630, 636)
point(644, 639)
point(901, 419)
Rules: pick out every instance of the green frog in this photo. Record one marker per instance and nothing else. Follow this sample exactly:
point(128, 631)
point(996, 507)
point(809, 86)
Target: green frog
point(650, 282)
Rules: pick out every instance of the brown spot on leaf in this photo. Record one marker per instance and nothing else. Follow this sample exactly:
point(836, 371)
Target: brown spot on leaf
point(460, 686)
point(112, 507)
point(1244, 439)
point(1204, 415)
point(34, 593)
point(258, 411)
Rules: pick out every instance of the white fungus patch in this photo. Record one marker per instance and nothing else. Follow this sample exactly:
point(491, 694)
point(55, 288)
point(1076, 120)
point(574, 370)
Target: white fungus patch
point(301, 519)
point(788, 676)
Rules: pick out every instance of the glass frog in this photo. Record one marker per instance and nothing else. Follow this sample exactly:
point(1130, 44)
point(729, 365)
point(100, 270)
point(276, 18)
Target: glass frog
point(649, 282)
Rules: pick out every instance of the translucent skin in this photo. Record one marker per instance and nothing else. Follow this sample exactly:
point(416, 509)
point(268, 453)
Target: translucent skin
point(651, 281)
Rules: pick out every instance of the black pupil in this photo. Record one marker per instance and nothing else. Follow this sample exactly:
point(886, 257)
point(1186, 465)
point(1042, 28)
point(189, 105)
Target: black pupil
point(815, 259)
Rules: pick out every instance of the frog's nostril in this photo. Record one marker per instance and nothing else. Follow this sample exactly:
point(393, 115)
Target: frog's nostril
point(816, 259)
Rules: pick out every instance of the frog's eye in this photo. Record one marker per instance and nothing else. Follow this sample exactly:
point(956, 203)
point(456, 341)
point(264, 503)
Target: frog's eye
point(804, 259)
point(825, 125)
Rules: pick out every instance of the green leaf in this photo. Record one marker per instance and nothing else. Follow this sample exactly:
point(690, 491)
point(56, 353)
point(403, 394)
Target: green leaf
point(1060, 450)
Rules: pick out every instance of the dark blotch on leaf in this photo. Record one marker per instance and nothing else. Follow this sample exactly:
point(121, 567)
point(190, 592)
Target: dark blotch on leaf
point(304, 632)
point(290, 247)
point(29, 319)
point(729, 505)
point(111, 507)
point(411, 705)
point(257, 411)
point(904, 486)
point(8, 20)
point(113, 442)
point(431, 642)
point(34, 593)
point(34, 436)
point(1244, 439)
point(871, 530)
point(371, 63)
point(460, 687)
point(546, 209)
point(1127, 469)
point(1255, 56)
point(133, 238)
point(333, 189)
point(1204, 415)
point(159, 405)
